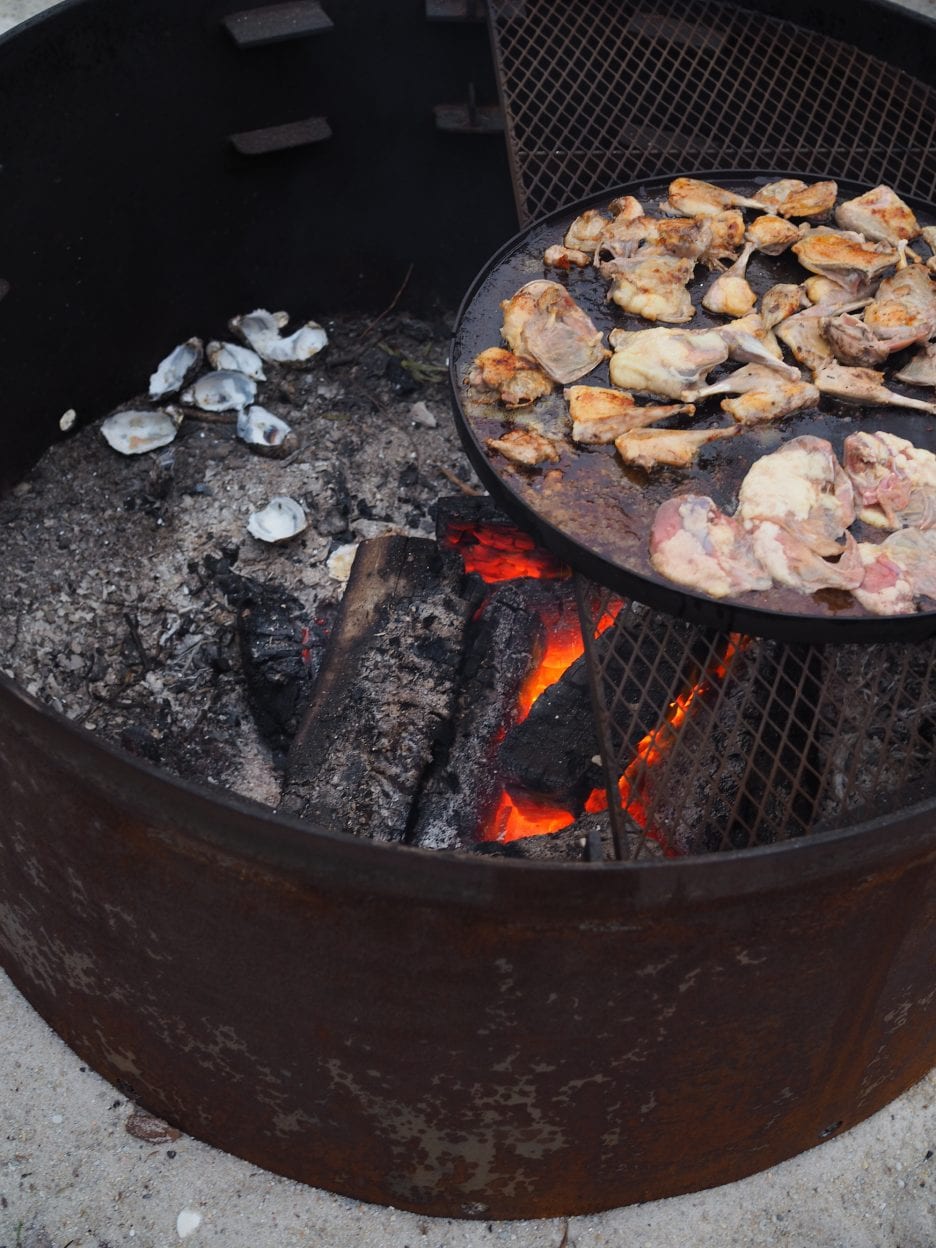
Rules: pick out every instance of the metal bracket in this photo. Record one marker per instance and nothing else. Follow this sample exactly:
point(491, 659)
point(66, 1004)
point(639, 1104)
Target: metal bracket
point(282, 138)
point(456, 10)
point(470, 117)
point(277, 23)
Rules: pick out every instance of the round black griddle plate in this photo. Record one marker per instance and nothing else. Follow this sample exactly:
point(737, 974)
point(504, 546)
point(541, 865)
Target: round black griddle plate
point(596, 513)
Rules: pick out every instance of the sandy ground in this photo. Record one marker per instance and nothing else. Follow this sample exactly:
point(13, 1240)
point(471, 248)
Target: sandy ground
point(72, 1176)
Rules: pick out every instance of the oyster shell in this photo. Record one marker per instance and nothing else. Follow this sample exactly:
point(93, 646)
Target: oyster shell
point(178, 368)
point(222, 391)
point(265, 433)
point(261, 331)
point(231, 357)
point(133, 433)
point(281, 519)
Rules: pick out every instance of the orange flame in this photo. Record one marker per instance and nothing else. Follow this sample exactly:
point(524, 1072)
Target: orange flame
point(502, 552)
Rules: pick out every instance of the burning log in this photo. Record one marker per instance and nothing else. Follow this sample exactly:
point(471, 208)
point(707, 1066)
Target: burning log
point(385, 694)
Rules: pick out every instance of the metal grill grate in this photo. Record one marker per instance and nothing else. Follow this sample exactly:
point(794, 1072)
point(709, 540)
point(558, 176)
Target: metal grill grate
point(603, 91)
point(726, 742)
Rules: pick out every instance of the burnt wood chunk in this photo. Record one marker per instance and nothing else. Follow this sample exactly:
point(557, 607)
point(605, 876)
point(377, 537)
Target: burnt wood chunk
point(385, 694)
point(465, 781)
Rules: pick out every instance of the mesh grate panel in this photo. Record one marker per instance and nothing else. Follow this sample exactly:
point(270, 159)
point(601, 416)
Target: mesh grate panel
point(752, 741)
point(603, 91)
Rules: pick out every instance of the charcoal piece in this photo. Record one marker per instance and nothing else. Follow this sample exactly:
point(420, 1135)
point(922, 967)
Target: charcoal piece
point(464, 783)
point(385, 694)
point(589, 839)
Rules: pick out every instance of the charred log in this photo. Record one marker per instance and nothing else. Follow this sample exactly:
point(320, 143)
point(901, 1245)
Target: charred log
point(385, 694)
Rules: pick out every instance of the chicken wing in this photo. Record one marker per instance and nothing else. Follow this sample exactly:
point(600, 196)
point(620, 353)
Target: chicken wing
point(852, 264)
point(499, 375)
point(670, 448)
point(921, 368)
point(878, 214)
point(803, 489)
point(771, 235)
point(600, 415)
point(893, 480)
point(543, 323)
point(862, 385)
point(779, 398)
point(730, 294)
point(690, 198)
point(695, 544)
point(526, 447)
point(664, 361)
point(791, 198)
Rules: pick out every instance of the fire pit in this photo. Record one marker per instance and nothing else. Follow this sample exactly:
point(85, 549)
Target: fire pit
point(453, 1035)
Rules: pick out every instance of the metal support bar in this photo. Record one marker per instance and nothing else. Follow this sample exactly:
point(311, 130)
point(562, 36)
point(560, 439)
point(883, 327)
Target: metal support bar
point(282, 138)
point(276, 23)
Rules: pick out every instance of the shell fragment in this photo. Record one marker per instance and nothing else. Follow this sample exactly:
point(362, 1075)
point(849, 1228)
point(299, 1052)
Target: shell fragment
point(231, 357)
point(264, 432)
point(261, 331)
point(176, 369)
point(222, 391)
point(133, 433)
point(281, 519)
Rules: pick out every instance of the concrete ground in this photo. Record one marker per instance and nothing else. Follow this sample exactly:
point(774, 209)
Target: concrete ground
point(73, 1175)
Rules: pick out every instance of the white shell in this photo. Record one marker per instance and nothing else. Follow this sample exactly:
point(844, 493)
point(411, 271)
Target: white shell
point(261, 329)
point(132, 433)
point(176, 369)
point(223, 391)
point(340, 562)
point(232, 357)
point(258, 427)
point(281, 519)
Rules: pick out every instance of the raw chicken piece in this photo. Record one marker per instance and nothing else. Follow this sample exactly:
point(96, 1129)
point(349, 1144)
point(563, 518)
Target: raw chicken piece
point(652, 284)
point(730, 294)
point(751, 377)
point(802, 488)
point(526, 447)
point(585, 230)
point(791, 198)
point(671, 448)
point(695, 544)
point(878, 214)
point(599, 415)
point(921, 369)
point(559, 257)
point(855, 265)
point(755, 407)
point(862, 385)
point(748, 342)
point(915, 551)
point(886, 587)
point(542, 322)
point(894, 481)
point(904, 309)
point(793, 562)
point(771, 235)
point(690, 198)
point(499, 374)
point(664, 361)
point(780, 302)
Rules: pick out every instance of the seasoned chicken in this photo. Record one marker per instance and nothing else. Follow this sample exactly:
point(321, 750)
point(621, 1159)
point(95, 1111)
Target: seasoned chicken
point(600, 415)
point(803, 334)
point(499, 375)
point(852, 341)
point(791, 561)
point(685, 237)
point(780, 302)
point(749, 342)
point(854, 265)
point(824, 290)
point(803, 489)
point(921, 368)
point(862, 385)
point(727, 229)
point(695, 544)
point(730, 294)
point(928, 234)
point(771, 235)
point(904, 309)
point(526, 447)
point(893, 480)
point(585, 230)
point(652, 284)
point(559, 257)
point(878, 214)
point(886, 587)
point(670, 448)
point(626, 207)
point(776, 399)
point(543, 323)
point(691, 198)
point(664, 361)
point(791, 198)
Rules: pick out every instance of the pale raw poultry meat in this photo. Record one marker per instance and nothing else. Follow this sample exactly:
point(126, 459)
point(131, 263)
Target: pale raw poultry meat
point(695, 544)
point(915, 550)
point(803, 489)
point(750, 377)
point(652, 284)
point(779, 398)
point(886, 587)
point(690, 198)
point(878, 214)
point(772, 235)
point(791, 198)
point(667, 448)
point(749, 342)
point(921, 368)
point(526, 447)
point(854, 265)
point(664, 361)
point(793, 562)
point(730, 294)
point(498, 375)
point(862, 385)
point(780, 302)
point(600, 415)
point(893, 480)
point(543, 323)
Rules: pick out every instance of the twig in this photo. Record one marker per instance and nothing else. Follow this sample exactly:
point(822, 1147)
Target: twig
point(137, 640)
point(386, 312)
point(464, 486)
point(564, 1242)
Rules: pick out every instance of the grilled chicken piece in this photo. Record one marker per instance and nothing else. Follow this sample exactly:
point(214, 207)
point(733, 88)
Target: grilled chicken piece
point(526, 447)
point(852, 341)
point(749, 343)
point(652, 284)
point(695, 544)
point(730, 294)
point(893, 480)
point(793, 562)
point(771, 235)
point(585, 230)
point(599, 415)
point(791, 198)
point(803, 489)
point(691, 198)
point(684, 237)
point(904, 309)
point(499, 375)
point(626, 207)
point(921, 369)
point(824, 290)
point(886, 587)
point(543, 323)
point(727, 237)
point(928, 234)
point(559, 257)
point(779, 398)
point(862, 385)
point(804, 335)
point(854, 265)
point(751, 377)
point(670, 448)
point(780, 302)
point(878, 214)
point(664, 361)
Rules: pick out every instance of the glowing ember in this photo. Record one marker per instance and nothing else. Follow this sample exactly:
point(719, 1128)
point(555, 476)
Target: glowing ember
point(517, 816)
point(501, 552)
